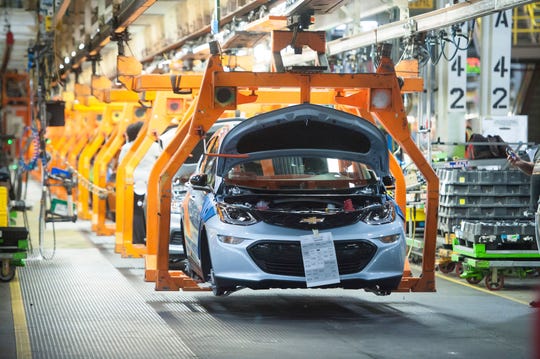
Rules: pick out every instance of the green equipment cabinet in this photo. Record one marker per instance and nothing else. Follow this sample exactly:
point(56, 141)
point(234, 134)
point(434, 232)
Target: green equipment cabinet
point(13, 250)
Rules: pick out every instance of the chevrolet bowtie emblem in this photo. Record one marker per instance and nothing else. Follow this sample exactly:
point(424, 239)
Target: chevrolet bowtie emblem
point(312, 220)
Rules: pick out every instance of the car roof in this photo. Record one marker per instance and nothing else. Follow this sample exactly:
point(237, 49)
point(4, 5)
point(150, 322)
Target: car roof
point(306, 129)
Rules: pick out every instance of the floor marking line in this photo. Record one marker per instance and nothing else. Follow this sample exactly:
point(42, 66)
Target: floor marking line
point(480, 289)
point(22, 338)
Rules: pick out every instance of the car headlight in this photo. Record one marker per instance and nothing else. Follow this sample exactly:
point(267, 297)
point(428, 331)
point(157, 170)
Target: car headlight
point(379, 214)
point(235, 215)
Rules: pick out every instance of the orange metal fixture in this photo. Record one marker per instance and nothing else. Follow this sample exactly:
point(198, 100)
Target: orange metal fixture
point(84, 165)
point(378, 94)
point(160, 118)
point(89, 122)
point(102, 162)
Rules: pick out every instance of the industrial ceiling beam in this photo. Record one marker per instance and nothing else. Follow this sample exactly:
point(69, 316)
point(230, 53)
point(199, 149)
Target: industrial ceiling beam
point(432, 20)
point(206, 29)
point(125, 16)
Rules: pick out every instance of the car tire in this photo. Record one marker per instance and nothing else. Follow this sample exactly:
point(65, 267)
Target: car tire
point(217, 289)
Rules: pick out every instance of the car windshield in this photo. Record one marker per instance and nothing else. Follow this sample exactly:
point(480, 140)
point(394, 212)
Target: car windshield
point(300, 173)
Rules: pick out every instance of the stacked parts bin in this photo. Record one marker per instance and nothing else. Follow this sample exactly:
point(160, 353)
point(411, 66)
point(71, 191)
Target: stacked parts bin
point(467, 194)
point(492, 234)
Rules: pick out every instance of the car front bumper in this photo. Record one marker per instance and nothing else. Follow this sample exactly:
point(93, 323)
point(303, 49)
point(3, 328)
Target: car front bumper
point(234, 265)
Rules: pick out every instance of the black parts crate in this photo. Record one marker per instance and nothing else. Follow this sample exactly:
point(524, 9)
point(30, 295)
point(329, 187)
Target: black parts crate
point(471, 194)
point(498, 235)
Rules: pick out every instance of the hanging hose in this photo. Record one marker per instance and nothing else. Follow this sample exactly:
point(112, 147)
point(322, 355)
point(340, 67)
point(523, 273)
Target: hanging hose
point(10, 40)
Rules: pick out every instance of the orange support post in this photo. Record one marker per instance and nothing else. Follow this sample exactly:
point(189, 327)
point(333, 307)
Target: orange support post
point(123, 184)
point(160, 117)
point(97, 194)
point(84, 165)
point(102, 161)
point(153, 196)
point(205, 114)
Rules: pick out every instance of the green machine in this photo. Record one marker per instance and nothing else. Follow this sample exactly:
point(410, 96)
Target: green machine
point(13, 250)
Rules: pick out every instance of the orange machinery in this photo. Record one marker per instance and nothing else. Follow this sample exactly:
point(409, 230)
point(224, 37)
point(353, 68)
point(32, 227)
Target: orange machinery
point(110, 115)
point(102, 163)
point(88, 112)
point(165, 107)
point(107, 153)
point(375, 96)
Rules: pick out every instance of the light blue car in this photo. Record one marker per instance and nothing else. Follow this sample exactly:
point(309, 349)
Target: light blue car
point(294, 198)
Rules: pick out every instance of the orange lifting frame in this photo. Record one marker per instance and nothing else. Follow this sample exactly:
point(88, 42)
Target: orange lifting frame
point(84, 165)
point(101, 165)
point(105, 154)
point(355, 90)
point(152, 222)
point(69, 137)
point(88, 120)
point(159, 119)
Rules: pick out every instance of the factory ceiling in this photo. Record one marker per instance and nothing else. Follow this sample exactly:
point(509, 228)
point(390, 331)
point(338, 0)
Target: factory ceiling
point(169, 35)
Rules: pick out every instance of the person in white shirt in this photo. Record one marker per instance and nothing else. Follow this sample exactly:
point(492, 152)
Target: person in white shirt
point(141, 175)
point(139, 222)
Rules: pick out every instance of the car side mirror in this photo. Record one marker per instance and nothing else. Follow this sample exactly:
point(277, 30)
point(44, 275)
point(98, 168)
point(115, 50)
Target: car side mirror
point(388, 181)
point(199, 182)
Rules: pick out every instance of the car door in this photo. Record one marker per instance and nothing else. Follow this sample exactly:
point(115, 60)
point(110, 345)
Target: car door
point(199, 201)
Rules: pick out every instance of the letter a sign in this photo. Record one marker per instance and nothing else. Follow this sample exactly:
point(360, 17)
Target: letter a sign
point(499, 66)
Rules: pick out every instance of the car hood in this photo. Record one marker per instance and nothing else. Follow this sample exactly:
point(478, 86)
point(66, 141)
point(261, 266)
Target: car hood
point(305, 129)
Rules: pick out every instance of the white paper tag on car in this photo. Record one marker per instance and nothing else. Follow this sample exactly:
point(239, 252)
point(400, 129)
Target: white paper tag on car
point(320, 263)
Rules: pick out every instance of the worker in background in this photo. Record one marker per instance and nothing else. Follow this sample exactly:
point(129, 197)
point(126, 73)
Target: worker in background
point(533, 170)
point(140, 181)
point(131, 134)
point(139, 223)
point(468, 130)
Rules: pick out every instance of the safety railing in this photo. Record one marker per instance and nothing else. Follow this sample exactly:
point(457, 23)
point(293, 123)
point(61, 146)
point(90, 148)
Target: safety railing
point(526, 21)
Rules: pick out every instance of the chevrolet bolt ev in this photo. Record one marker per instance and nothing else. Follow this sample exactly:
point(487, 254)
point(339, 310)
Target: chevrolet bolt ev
point(294, 198)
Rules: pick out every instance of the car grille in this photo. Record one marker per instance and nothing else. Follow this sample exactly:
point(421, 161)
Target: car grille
point(301, 220)
point(285, 257)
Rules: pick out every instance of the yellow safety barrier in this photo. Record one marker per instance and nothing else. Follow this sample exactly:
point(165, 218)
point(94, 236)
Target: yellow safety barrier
point(4, 213)
point(526, 20)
